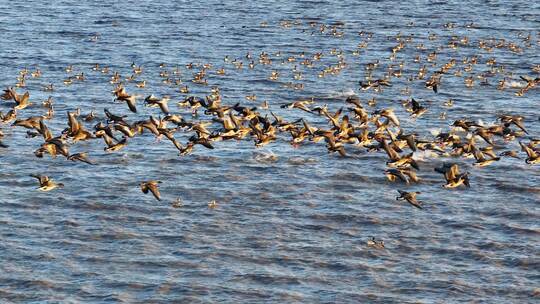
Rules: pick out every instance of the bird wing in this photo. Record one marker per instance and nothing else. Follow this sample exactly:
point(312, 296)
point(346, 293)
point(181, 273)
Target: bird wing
point(411, 174)
point(414, 202)
point(392, 117)
point(153, 187)
point(525, 78)
point(415, 104)
point(479, 155)
point(519, 124)
point(451, 173)
point(47, 135)
point(73, 123)
point(83, 156)
point(131, 103)
point(24, 99)
point(163, 105)
point(485, 135)
point(530, 152)
point(41, 178)
point(392, 154)
point(411, 142)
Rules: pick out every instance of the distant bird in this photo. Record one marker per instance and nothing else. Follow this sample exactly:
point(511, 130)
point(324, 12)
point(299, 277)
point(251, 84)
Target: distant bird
point(453, 177)
point(533, 156)
point(481, 160)
point(45, 183)
point(177, 203)
point(434, 82)
point(410, 197)
point(122, 95)
point(302, 105)
point(372, 242)
point(406, 175)
point(117, 146)
point(113, 118)
point(416, 109)
point(152, 186)
point(388, 114)
point(22, 101)
point(154, 101)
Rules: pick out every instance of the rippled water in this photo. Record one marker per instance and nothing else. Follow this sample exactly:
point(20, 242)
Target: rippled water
point(286, 229)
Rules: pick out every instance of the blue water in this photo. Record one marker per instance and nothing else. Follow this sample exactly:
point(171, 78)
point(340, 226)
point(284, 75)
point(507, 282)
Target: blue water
point(291, 224)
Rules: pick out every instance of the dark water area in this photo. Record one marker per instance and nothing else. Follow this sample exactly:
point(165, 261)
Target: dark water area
point(291, 224)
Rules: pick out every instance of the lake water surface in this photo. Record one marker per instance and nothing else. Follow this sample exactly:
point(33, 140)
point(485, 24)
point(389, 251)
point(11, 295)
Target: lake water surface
point(292, 223)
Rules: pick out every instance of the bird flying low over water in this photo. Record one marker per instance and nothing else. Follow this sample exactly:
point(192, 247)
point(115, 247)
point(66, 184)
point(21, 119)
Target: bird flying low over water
point(453, 177)
point(481, 159)
point(116, 146)
point(122, 95)
point(152, 186)
point(410, 197)
point(347, 120)
point(21, 101)
point(45, 183)
point(533, 155)
point(154, 101)
point(405, 174)
point(416, 109)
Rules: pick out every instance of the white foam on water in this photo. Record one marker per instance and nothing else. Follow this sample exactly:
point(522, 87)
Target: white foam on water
point(516, 84)
point(435, 132)
point(341, 93)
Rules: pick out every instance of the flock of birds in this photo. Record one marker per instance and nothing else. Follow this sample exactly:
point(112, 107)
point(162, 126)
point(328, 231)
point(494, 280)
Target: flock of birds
point(356, 124)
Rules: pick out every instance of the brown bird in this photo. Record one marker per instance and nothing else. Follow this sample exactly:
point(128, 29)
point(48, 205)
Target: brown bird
point(22, 101)
point(434, 81)
point(389, 115)
point(131, 102)
point(113, 118)
point(453, 177)
point(394, 173)
point(45, 183)
point(416, 109)
point(302, 105)
point(533, 157)
point(410, 197)
point(117, 146)
point(154, 101)
point(375, 244)
point(152, 186)
point(31, 122)
point(212, 204)
point(122, 95)
point(407, 175)
point(8, 117)
point(481, 160)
